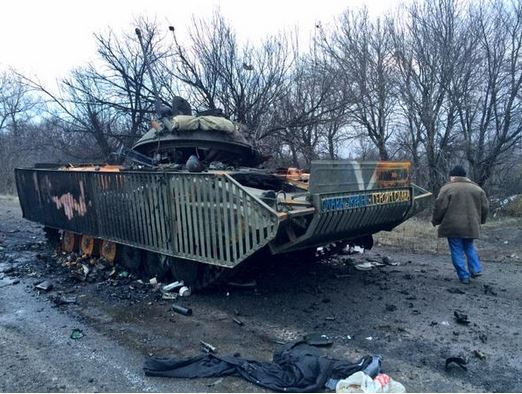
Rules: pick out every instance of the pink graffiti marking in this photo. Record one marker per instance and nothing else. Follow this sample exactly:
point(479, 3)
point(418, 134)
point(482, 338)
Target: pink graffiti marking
point(70, 205)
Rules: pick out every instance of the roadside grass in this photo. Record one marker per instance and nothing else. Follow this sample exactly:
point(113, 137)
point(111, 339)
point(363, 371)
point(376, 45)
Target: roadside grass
point(417, 235)
point(503, 220)
point(514, 207)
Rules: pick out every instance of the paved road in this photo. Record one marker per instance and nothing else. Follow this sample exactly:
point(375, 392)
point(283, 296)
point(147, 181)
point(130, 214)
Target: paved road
point(36, 351)
point(403, 312)
point(38, 355)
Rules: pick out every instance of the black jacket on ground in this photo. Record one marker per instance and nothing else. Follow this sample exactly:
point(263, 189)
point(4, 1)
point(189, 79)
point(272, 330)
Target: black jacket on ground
point(296, 367)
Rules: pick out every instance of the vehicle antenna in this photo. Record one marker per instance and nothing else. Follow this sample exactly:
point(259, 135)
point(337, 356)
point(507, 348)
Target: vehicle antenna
point(157, 103)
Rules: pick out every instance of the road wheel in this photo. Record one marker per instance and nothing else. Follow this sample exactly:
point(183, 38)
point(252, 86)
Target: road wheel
point(129, 257)
point(87, 245)
point(108, 250)
point(69, 242)
point(52, 237)
point(156, 265)
point(198, 275)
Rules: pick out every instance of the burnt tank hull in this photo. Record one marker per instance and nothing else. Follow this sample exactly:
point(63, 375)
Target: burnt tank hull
point(212, 218)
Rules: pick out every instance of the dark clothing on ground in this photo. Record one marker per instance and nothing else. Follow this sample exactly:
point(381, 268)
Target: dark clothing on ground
point(296, 368)
point(461, 207)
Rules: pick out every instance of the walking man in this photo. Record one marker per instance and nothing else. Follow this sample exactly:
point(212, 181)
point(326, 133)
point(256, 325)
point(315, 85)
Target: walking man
point(461, 207)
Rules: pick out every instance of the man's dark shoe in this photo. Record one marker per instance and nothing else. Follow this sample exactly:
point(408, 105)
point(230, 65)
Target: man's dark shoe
point(465, 281)
point(476, 274)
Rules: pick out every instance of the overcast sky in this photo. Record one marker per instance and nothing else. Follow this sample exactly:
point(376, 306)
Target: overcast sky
point(47, 38)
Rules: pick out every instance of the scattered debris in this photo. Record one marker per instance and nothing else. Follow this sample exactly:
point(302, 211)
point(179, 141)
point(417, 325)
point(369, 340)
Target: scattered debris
point(172, 286)
point(479, 354)
point(244, 285)
point(461, 317)
point(169, 296)
point(488, 289)
point(318, 339)
point(360, 382)
point(459, 361)
point(185, 291)
point(153, 281)
point(374, 367)
point(207, 347)
point(45, 285)
point(369, 338)
point(387, 261)
point(182, 310)
point(374, 262)
point(366, 266)
point(62, 300)
point(77, 334)
point(86, 270)
point(455, 290)
point(444, 323)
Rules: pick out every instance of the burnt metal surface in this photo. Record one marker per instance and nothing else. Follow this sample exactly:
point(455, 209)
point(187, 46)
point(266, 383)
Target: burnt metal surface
point(337, 176)
point(223, 147)
point(210, 217)
point(204, 217)
point(344, 216)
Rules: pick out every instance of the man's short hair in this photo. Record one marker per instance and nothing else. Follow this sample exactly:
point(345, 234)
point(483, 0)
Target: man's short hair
point(457, 171)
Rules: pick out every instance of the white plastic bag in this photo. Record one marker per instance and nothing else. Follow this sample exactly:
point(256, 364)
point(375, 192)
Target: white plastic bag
point(359, 382)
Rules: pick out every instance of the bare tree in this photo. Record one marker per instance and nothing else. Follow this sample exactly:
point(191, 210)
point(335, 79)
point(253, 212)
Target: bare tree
point(23, 132)
point(16, 102)
point(361, 51)
point(245, 82)
point(109, 101)
point(490, 99)
point(311, 112)
point(428, 54)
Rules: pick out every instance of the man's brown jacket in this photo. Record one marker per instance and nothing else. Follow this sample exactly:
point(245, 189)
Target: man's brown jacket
point(461, 207)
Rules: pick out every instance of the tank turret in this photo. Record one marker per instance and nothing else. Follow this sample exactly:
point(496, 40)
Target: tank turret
point(209, 135)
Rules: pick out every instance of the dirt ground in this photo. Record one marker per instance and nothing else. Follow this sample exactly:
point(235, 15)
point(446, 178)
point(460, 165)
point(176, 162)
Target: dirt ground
point(404, 312)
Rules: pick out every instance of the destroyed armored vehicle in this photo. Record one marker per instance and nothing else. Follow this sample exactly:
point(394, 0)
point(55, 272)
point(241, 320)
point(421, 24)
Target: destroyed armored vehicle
point(190, 198)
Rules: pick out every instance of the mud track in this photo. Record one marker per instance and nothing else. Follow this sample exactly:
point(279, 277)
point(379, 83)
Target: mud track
point(402, 312)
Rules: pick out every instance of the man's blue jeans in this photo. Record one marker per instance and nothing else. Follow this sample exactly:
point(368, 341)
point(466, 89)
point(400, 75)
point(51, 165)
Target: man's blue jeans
point(460, 247)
